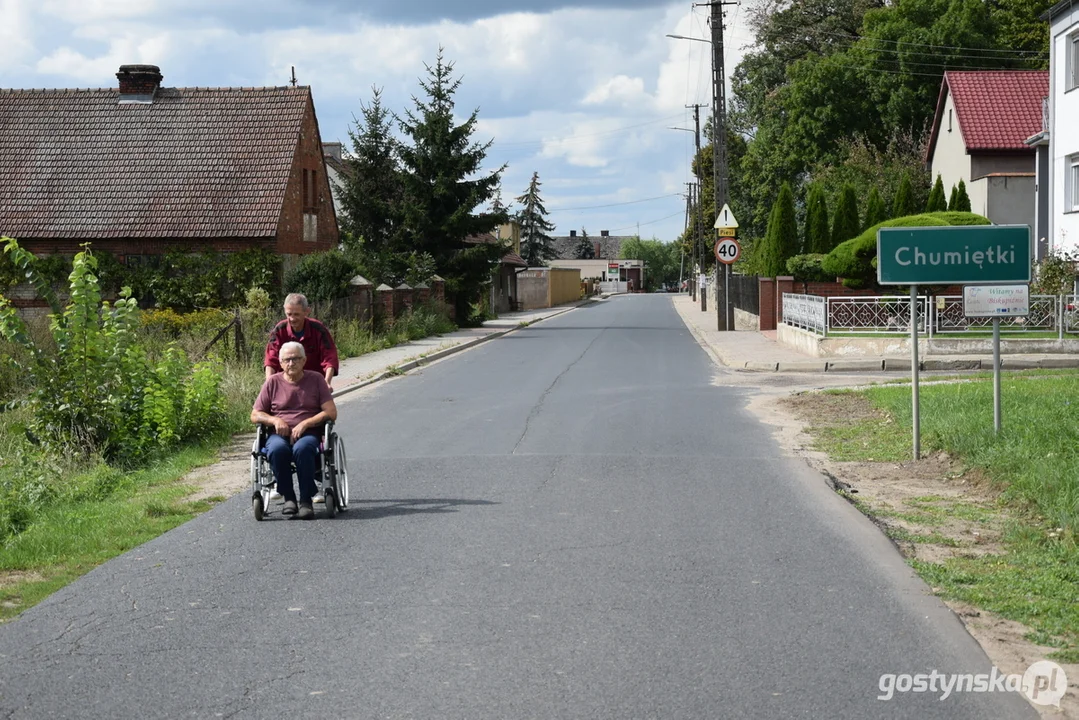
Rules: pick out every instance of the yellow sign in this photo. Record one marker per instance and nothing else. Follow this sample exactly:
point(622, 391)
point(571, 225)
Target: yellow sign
point(727, 231)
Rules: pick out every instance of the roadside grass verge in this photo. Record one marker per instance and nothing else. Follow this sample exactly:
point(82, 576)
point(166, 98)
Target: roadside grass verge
point(69, 538)
point(1032, 468)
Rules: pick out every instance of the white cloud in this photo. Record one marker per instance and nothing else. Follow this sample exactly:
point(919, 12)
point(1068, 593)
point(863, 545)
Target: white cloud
point(620, 90)
point(15, 34)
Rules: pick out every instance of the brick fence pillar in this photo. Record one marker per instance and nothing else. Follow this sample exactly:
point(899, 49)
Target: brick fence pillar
point(360, 289)
point(784, 284)
point(422, 293)
point(767, 300)
point(402, 298)
point(384, 306)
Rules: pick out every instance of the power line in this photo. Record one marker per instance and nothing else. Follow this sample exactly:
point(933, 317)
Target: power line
point(576, 138)
point(650, 222)
point(629, 202)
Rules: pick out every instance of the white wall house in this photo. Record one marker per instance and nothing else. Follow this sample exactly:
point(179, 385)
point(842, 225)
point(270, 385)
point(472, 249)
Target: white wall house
point(982, 121)
point(1064, 126)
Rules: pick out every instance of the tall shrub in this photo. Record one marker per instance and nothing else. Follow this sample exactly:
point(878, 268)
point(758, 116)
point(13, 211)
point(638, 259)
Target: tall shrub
point(903, 204)
point(818, 235)
point(846, 224)
point(781, 240)
point(962, 201)
point(953, 199)
point(936, 202)
point(875, 212)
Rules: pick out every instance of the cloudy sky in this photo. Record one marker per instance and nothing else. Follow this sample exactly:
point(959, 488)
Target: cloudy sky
point(583, 91)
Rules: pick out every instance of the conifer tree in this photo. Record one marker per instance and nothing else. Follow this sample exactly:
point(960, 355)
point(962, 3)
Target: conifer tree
point(903, 204)
point(936, 202)
point(536, 244)
point(962, 200)
point(845, 225)
point(874, 210)
point(817, 234)
point(372, 195)
point(781, 239)
point(953, 199)
point(443, 187)
point(585, 250)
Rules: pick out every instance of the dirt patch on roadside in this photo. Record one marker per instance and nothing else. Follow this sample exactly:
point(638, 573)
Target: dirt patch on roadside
point(228, 476)
point(934, 509)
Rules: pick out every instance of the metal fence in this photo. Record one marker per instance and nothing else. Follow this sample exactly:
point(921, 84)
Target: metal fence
point(806, 311)
point(890, 314)
point(745, 293)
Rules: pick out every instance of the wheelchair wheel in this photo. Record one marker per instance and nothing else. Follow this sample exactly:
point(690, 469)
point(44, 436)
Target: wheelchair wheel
point(257, 507)
point(331, 502)
point(341, 467)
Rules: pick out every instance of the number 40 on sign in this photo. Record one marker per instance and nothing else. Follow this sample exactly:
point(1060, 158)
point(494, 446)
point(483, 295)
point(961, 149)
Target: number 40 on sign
point(728, 250)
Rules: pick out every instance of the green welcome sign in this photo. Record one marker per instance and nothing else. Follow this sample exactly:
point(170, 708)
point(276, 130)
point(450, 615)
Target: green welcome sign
point(953, 255)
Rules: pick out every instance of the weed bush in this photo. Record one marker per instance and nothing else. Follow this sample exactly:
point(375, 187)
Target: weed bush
point(98, 391)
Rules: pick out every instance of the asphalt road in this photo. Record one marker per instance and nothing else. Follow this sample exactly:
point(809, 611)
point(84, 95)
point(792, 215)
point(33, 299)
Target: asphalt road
point(573, 521)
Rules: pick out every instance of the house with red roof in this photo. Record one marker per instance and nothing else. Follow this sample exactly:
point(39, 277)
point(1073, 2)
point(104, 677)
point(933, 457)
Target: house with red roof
point(141, 169)
point(981, 123)
point(1062, 131)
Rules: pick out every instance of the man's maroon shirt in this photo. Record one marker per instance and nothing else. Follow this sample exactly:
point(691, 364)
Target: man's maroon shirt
point(317, 343)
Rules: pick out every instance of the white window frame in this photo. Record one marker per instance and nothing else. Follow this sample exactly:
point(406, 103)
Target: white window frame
point(1071, 183)
point(1071, 51)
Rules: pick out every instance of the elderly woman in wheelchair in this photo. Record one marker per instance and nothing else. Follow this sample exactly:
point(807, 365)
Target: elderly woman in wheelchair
point(295, 413)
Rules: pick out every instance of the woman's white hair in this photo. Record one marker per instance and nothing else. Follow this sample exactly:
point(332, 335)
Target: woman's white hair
point(292, 345)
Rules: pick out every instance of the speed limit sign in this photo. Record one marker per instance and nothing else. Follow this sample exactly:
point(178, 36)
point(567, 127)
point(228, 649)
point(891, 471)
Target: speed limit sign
point(728, 250)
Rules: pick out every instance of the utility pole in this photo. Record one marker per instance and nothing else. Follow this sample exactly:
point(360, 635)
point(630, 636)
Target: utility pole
point(719, 148)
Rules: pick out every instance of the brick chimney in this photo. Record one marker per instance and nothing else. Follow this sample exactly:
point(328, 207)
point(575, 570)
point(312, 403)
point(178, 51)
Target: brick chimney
point(138, 83)
point(595, 249)
point(332, 149)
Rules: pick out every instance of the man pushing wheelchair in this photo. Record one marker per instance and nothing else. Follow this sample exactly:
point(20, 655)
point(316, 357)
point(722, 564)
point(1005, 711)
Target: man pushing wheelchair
point(296, 403)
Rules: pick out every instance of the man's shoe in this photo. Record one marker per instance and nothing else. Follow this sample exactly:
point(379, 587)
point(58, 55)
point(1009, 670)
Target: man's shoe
point(290, 508)
point(319, 498)
point(306, 511)
point(274, 495)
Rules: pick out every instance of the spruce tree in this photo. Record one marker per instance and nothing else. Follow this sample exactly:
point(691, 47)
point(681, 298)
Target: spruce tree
point(875, 212)
point(585, 250)
point(903, 204)
point(845, 225)
point(936, 202)
point(444, 185)
point(372, 195)
point(818, 236)
point(953, 199)
point(781, 239)
point(536, 247)
point(962, 200)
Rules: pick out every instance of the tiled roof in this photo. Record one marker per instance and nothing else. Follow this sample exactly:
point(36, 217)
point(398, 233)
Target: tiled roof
point(197, 162)
point(996, 109)
point(609, 245)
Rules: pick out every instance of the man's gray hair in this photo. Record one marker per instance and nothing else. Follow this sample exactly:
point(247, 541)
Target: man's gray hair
point(292, 345)
point(296, 299)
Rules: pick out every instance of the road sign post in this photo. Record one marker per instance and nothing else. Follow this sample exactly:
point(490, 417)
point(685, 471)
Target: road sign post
point(964, 255)
point(727, 251)
point(996, 301)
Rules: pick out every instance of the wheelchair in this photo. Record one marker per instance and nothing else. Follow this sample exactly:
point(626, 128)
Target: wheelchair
point(331, 472)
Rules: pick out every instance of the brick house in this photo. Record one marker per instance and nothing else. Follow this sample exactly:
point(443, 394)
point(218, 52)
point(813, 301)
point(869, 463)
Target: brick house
point(140, 169)
point(979, 130)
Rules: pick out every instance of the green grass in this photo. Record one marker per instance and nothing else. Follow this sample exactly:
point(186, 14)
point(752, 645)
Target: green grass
point(68, 539)
point(1033, 463)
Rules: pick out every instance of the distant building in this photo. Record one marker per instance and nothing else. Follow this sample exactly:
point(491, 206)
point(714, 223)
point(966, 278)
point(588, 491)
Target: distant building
point(604, 246)
point(1062, 129)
